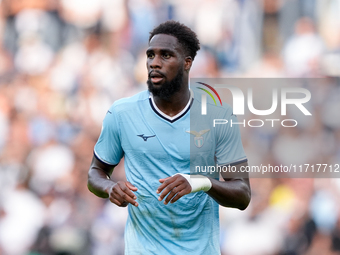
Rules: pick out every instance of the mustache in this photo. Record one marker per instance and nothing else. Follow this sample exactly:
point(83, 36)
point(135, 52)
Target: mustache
point(155, 71)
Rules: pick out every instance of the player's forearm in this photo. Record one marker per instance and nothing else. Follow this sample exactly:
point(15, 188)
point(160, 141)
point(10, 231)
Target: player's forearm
point(232, 193)
point(99, 183)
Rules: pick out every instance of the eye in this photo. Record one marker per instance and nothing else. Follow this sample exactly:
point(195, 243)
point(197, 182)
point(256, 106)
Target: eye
point(150, 55)
point(166, 55)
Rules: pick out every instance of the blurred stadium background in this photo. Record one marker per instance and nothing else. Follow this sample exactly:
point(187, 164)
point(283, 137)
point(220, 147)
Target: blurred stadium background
point(62, 64)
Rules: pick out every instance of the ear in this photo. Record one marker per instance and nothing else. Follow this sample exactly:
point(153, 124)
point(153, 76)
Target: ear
point(187, 63)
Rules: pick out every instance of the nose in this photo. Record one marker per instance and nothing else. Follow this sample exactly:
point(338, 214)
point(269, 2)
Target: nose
point(155, 63)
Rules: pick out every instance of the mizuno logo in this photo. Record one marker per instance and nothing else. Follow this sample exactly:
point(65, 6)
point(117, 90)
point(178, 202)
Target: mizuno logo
point(145, 138)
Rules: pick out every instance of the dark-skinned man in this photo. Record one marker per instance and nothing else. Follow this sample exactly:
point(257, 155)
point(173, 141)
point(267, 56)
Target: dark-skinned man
point(171, 209)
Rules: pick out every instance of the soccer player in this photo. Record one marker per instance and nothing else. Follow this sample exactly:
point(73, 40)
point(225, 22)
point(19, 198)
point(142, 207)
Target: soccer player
point(170, 210)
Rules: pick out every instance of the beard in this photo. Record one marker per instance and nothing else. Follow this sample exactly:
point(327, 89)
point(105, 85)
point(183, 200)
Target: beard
point(168, 88)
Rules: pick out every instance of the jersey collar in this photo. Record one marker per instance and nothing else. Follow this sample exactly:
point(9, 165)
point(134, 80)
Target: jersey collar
point(167, 117)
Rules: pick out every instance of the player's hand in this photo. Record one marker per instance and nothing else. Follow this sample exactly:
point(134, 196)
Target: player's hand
point(173, 188)
point(121, 194)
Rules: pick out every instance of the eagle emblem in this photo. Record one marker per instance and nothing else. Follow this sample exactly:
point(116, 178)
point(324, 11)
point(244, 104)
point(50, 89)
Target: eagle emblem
point(198, 139)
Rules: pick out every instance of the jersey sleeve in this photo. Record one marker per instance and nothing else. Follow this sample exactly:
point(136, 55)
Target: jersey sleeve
point(229, 148)
point(108, 148)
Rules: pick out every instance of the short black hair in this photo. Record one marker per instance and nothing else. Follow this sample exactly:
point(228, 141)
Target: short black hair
point(185, 36)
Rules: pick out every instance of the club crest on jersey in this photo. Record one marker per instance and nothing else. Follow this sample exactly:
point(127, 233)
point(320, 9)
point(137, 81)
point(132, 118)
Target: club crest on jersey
point(198, 139)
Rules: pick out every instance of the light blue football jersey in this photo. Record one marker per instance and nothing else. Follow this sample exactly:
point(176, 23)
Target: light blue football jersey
point(156, 146)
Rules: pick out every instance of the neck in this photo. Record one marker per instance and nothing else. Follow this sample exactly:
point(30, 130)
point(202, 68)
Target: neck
point(175, 104)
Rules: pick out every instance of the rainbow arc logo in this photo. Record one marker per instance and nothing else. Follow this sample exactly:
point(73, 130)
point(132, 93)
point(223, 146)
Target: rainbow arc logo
point(204, 98)
point(218, 96)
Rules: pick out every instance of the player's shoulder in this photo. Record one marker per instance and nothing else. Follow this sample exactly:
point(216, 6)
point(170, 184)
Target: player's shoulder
point(129, 103)
point(215, 105)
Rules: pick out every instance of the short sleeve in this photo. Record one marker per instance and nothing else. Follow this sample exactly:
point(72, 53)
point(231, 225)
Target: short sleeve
point(108, 148)
point(229, 148)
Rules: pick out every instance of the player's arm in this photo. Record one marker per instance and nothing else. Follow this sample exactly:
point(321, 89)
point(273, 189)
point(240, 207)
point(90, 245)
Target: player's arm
point(234, 191)
point(100, 184)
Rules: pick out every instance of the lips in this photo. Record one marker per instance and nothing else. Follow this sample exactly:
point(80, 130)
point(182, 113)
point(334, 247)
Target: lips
point(156, 77)
point(156, 80)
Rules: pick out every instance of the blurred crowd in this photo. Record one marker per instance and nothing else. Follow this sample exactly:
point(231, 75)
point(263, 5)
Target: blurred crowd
point(64, 62)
